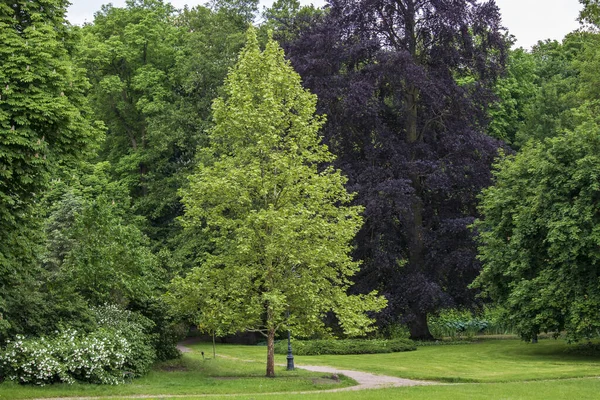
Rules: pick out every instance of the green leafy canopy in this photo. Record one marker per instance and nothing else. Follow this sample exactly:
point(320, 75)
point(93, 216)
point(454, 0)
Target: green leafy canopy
point(540, 235)
point(279, 222)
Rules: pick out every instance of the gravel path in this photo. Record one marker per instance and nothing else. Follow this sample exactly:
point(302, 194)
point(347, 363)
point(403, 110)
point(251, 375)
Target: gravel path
point(365, 380)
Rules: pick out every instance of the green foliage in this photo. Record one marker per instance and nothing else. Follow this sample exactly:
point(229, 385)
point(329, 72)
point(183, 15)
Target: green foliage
point(94, 244)
point(455, 324)
point(118, 348)
point(545, 90)
point(539, 235)
point(167, 331)
point(346, 346)
point(130, 54)
point(279, 224)
point(136, 330)
point(45, 122)
point(515, 92)
point(287, 19)
point(590, 14)
point(154, 72)
point(44, 115)
point(111, 260)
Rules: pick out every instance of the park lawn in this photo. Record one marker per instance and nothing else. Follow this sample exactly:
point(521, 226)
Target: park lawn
point(482, 361)
point(506, 369)
point(585, 388)
point(189, 375)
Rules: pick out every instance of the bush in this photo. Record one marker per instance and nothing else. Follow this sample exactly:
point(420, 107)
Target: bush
point(96, 358)
point(455, 323)
point(32, 361)
point(136, 330)
point(166, 332)
point(120, 347)
point(348, 346)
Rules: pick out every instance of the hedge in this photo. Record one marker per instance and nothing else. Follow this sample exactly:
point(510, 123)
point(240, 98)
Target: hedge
point(346, 346)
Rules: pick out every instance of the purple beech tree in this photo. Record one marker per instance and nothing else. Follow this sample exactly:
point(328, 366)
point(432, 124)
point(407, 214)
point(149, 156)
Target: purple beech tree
point(405, 87)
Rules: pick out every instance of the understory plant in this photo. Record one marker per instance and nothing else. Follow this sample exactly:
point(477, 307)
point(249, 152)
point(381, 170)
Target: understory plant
point(456, 324)
point(119, 348)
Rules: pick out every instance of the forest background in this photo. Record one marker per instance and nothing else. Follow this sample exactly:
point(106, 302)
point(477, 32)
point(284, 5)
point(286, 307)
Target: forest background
point(102, 127)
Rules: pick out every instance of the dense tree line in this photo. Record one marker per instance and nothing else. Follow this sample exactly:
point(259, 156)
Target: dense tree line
point(105, 128)
point(539, 231)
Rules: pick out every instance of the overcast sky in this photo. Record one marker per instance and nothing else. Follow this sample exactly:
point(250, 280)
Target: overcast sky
point(528, 20)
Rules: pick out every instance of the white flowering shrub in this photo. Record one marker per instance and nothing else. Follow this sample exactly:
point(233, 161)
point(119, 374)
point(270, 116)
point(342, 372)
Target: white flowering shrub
point(117, 349)
point(32, 361)
point(137, 330)
point(98, 357)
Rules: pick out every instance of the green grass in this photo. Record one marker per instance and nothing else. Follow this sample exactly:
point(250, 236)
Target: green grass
point(503, 369)
point(579, 389)
point(190, 375)
point(483, 361)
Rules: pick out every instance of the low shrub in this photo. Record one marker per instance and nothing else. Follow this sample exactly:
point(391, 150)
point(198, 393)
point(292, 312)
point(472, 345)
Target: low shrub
point(119, 348)
point(136, 330)
point(457, 324)
point(98, 357)
point(347, 346)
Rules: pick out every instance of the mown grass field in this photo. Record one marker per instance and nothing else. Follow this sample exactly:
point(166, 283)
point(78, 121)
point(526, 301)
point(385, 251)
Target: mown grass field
point(489, 369)
point(483, 361)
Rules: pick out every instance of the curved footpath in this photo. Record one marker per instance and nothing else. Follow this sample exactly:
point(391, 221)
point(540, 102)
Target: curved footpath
point(365, 380)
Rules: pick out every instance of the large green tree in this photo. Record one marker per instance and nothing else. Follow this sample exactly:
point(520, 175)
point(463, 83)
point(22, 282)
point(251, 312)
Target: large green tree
point(130, 54)
point(540, 235)
point(516, 91)
point(155, 71)
point(45, 122)
point(94, 244)
point(278, 220)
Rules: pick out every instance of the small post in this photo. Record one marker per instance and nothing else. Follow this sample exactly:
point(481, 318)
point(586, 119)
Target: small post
point(290, 356)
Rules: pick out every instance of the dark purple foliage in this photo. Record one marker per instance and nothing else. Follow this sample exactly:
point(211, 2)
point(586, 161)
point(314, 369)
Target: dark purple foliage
point(410, 139)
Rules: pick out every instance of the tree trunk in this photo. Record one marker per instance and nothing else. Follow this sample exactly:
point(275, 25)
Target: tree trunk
point(419, 330)
point(411, 99)
point(214, 346)
point(271, 353)
point(418, 327)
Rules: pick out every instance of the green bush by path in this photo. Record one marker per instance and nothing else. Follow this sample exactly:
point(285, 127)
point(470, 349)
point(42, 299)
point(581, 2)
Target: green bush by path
point(347, 346)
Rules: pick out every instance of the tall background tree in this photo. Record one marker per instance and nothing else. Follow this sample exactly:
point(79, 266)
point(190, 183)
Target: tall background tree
point(540, 235)
point(405, 85)
point(155, 71)
point(539, 225)
point(45, 122)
